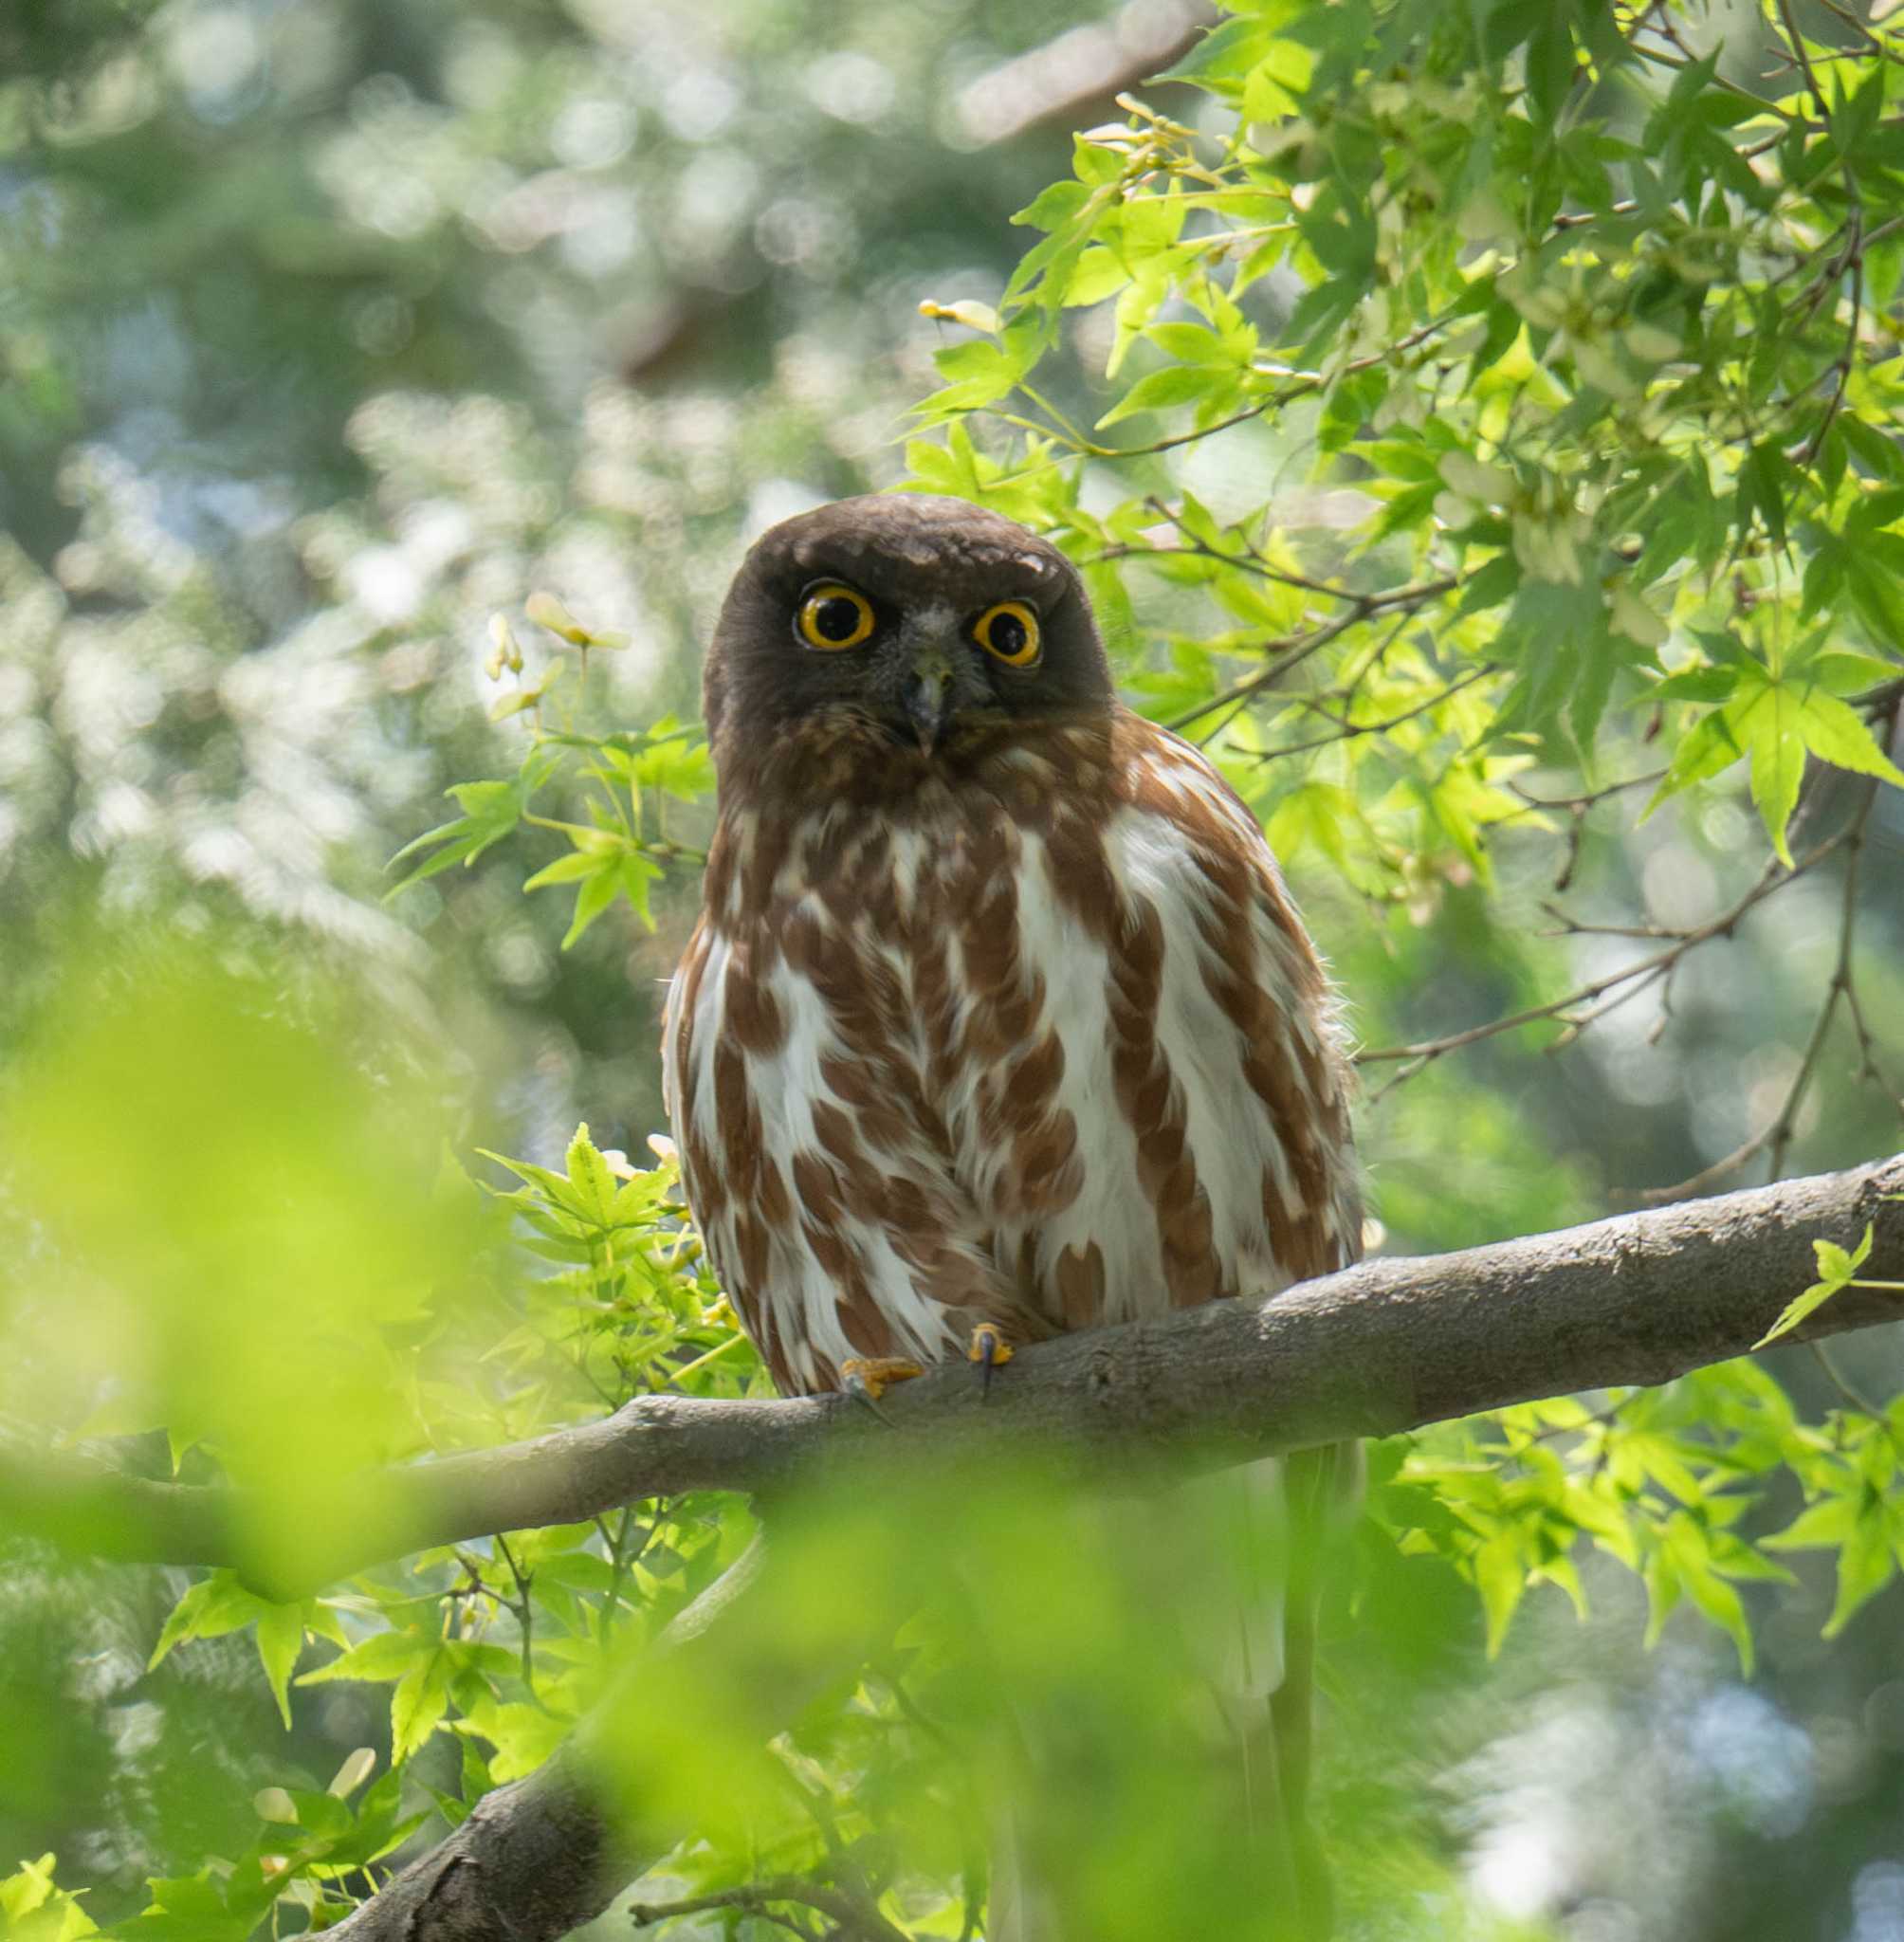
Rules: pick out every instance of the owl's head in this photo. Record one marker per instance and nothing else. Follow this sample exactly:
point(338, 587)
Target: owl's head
point(920, 615)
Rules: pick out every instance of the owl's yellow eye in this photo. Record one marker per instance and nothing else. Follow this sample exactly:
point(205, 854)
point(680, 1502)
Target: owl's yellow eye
point(1010, 631)
point(833, 616)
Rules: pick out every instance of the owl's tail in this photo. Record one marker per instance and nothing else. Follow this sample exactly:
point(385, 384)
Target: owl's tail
point(1323, 1486)
point(1285, 1513)
point(1245, 1642)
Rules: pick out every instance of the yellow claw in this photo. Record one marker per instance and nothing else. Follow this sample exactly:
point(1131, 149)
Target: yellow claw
point(870, 1375)
point(989, 1350)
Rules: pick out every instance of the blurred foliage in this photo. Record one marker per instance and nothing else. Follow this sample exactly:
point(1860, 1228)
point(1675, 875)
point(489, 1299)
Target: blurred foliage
point(280, 1275)
point(330, 330)
point(1478, 428)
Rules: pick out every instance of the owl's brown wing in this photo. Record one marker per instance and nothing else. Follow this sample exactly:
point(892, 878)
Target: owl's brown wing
point(1181, 1025)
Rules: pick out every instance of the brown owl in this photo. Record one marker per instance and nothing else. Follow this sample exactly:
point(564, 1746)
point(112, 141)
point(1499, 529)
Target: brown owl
point(998, 1017)
point(999, 1020)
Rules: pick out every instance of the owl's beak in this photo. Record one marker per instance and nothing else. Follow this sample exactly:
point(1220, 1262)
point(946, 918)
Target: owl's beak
point(927, 696)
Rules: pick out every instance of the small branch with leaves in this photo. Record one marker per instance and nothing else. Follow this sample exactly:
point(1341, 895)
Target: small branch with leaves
point(625, 784)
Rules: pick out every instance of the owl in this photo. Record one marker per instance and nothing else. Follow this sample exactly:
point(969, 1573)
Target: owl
point(999, 1020)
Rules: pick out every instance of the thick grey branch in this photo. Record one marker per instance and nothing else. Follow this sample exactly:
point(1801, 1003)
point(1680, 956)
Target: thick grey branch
point(1381, 1347)
point(1378, 1349)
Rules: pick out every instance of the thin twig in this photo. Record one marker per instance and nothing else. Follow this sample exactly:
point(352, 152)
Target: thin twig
point(1301, 385)
point(1571, 927)
point(1775, 1137)
point(1844, 1387)
point(1590, 798)
point(1293, 649)
point(1348, 731)
point(1773, 879)
point(853, 1916)
point(524, 1616)
point(1575, 1026)
point(1802, 58)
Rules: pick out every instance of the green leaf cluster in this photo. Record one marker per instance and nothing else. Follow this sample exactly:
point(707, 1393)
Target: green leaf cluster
point(622, 783)
point(1538, 434)
point(495, 1648)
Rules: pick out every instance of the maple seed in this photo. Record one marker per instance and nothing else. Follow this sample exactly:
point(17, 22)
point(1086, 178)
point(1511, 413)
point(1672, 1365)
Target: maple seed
point(504, 653)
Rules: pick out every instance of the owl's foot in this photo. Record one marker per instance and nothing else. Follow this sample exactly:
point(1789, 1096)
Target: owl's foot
point(989, 1351)
point(867, 1377)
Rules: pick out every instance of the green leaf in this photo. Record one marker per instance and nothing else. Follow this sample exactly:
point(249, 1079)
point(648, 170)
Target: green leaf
point(677, 766)
point(1695, 684)
point(382, 1655)
point(323, 1813)
point(1501, 1577)
point(576, 865)
point(1824, 1525)
point(477, 1779)
point(490, 812)
point(32, 1909)
point(1762, 480)
point(1662, 1594)
point(523, 1736)
point(1689, 1547)
point(1764, 718)
point(1708, 748)
point(597, 893)
point(213, 1607)
point(1848, 674)
point(1160, 390)
point(1099, 272)
point(1837, 734)
point(635, 874)
point(1865, 1565)
point(1835, 1269)
point(1228, 50)
point(1490, 585)
point(1881, 453)
point(588, 1175)
point(281, 1640)
point(1058, 205)
point(418, 1704)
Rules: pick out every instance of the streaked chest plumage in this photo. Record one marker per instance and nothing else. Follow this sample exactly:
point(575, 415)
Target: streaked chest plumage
point(1030, 1035)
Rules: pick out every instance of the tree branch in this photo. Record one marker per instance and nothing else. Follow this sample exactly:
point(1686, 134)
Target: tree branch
point(1381, 1347)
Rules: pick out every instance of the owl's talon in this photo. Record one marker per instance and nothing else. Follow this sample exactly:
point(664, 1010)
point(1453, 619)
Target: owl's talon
point(989, 1351)
point(855, 1387)
point(867, 1377)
